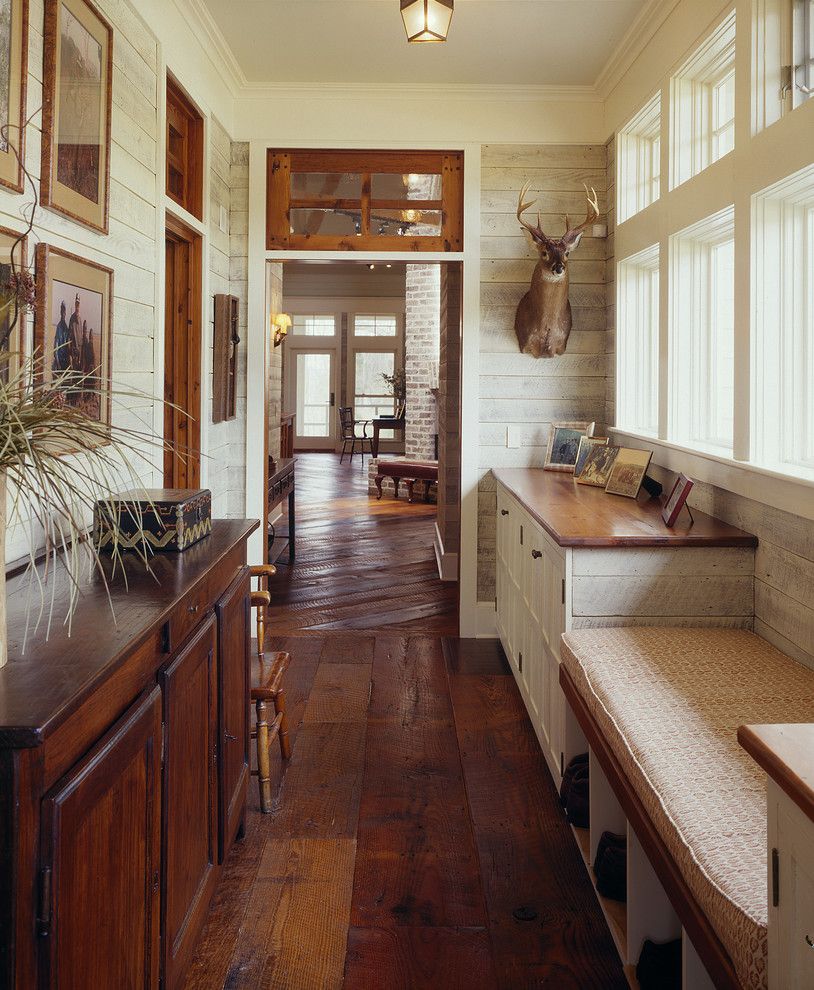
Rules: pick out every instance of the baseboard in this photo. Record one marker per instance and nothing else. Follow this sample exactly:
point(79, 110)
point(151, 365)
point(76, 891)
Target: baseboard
point(447, 562)
point(487, 621)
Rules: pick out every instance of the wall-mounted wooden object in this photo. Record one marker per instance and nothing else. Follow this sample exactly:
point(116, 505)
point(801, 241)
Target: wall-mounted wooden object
point(184, 151)
point(224, 360)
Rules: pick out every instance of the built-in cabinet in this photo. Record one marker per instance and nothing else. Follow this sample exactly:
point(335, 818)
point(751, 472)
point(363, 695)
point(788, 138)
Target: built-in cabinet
point(124, 763)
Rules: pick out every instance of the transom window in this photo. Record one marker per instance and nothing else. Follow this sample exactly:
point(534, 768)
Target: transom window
point(313, 324)
point(639, 160)
point(375, 324)
point(358, 200)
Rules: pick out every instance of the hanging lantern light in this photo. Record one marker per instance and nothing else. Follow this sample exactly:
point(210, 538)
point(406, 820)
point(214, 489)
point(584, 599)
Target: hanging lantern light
point(426, 20)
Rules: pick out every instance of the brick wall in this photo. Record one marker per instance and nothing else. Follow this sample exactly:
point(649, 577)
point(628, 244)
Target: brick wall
point(421, 358)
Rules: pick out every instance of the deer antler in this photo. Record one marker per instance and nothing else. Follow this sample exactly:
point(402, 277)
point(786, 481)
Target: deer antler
point(536, 232)
point(591, 217)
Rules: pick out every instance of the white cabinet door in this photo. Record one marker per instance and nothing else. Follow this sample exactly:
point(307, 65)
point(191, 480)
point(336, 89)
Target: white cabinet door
point(791, 920)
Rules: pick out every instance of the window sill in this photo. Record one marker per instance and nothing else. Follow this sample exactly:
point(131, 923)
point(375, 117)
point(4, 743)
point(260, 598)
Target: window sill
point(763, 485)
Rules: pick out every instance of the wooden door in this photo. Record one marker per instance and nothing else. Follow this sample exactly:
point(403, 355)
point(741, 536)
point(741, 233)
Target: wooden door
point(190, 818)
point(233, 709)
point(99, 885)
point(182, 357)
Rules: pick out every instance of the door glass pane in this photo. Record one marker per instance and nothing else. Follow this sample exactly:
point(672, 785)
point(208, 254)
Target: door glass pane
point(326, 222)
point(313, 395)
point(313, 185)
point(372, 394)
point(410, 223)
point(394, 186)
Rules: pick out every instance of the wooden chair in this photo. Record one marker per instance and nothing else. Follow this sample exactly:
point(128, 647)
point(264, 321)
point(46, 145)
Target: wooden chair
point(349, 436)
point(268, 671)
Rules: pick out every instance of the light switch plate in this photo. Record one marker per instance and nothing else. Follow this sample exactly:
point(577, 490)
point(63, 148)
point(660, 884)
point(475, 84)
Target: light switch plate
point(513, 436)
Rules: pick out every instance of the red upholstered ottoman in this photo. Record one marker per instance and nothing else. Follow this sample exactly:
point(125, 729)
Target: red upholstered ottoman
point(409, 471)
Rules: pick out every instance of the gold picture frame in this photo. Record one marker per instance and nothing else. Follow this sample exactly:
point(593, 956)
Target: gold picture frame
point(597, 466)
point(77, 103)
point(586, 444)
point(628, 471)
point(15, 343)
point(13, 88)
point(74, 354)
point(563, 444)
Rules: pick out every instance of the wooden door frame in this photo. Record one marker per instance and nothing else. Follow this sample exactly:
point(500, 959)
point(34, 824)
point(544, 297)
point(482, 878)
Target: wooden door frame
point(192, 400)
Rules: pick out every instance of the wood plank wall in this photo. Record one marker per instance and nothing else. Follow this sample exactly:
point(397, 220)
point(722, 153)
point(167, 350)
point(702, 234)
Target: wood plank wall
point(784, 560)
point(516, 389)
point(134, 247)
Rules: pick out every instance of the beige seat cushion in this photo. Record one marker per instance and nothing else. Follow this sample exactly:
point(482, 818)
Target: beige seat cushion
point(669, 702)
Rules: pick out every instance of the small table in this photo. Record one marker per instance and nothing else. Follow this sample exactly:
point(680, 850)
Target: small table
point(384, 423)
point(281, 486)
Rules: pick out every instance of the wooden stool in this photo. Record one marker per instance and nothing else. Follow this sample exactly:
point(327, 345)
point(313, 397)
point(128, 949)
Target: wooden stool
point(266, 686)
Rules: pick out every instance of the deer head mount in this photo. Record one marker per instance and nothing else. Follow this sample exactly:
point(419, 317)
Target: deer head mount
point(543, 318)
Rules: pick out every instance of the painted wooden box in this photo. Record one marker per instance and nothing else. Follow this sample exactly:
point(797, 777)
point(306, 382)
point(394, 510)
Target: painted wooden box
point(163, 518)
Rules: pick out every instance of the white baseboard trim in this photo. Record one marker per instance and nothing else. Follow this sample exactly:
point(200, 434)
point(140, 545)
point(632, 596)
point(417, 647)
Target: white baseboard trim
point(487, 621)
point(447, 562)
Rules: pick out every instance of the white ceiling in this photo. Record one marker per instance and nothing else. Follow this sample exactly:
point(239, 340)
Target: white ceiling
point(495, 42)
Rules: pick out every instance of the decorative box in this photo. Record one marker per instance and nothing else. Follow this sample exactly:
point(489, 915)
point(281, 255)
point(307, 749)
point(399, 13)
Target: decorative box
point(163, 518)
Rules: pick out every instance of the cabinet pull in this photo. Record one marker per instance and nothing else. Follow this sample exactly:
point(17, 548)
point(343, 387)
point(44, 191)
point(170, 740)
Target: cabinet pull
point(229, 736)
point(44, 919)
point(775, 878)
point(536, 554)
point(504, 512)
point(520, 663)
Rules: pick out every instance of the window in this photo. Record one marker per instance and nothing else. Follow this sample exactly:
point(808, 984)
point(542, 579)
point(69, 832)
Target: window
point(702, 334)
point(802, 73)
point(375, 325)
point(702, 105)
point(313, 324)
point(639, 160)
point(372, 395)
point(365, 200)
point(638, 342)
point(783, 329)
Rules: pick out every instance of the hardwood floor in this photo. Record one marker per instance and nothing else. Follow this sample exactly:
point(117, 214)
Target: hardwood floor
point(416, 815)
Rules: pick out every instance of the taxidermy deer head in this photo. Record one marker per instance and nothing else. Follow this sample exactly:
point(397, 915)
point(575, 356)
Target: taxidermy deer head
point(543, 319)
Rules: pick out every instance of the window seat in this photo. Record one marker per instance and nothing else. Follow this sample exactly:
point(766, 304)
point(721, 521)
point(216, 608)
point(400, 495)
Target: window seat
point(660, 708)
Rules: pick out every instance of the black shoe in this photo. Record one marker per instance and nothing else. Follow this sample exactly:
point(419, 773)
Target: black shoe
point(611, 872)
point(568, 776)
point(577, 809)
point(659, 966)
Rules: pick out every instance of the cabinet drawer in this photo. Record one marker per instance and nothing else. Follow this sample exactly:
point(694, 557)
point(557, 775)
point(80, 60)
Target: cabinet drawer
point(191, 611)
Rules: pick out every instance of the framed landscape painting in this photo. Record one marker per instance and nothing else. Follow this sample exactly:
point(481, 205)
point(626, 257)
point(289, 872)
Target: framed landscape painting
point(72, 330)
point(13, 77)
point(12, 342)
point(76, 112)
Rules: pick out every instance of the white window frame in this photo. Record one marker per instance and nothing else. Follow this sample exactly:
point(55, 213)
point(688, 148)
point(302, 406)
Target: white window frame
point(638, 160)
point(637, 342)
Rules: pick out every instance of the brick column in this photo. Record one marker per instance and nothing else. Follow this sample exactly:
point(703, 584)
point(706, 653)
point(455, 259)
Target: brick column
point(422, 345)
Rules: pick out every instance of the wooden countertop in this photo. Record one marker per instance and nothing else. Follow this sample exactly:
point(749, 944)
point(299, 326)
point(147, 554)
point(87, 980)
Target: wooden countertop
point(582, 516)
point(56, 673)
point(786, 753)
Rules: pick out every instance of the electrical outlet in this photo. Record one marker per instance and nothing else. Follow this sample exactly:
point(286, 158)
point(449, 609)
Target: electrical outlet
point(513, 436)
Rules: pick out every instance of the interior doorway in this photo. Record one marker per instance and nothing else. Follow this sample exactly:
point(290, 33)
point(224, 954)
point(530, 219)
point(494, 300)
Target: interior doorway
point(182, 356)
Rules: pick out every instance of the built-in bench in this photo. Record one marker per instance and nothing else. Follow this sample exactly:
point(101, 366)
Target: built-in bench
point(660, 710)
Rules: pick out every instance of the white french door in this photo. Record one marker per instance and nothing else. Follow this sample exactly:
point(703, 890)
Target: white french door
point(312, 396)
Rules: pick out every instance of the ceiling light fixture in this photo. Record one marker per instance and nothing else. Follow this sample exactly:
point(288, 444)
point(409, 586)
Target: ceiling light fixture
point(426, 20)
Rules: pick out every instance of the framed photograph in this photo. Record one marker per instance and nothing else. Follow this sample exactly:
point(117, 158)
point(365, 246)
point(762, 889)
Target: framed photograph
point(13, 77)
point(76, 109)
point(675, 503)
point(563, 445)
point(72, 330)
point(597, 466)
point(585, 446)
point(11, 341)
point(628, 471)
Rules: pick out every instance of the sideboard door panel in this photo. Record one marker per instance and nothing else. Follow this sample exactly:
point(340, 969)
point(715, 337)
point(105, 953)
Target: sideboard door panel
point(99, 883)
point(233, 729)
point(190, 818)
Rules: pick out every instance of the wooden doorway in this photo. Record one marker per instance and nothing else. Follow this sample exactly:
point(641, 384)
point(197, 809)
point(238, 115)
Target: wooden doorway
point(182, 356)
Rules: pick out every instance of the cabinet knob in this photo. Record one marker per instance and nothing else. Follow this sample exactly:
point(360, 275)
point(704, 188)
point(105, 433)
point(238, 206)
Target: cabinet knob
point(229, 736)
point(193, 609)
point(504, 512)
point(536, 554)
point(809, 942)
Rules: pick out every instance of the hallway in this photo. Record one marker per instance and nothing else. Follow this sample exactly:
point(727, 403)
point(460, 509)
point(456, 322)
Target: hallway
point(416, 816)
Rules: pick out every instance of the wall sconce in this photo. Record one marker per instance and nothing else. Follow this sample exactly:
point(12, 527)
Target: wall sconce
point(426, 20)
point(280, 324)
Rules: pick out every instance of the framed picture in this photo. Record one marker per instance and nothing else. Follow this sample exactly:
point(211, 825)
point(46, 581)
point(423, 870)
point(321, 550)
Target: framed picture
point(72, 330)
point(11, 341)
point(76, 109)
point(675, 503)
point(13, 78)
point(597, 467)
point(585, 445)
point(628, 471)
point(563, 445)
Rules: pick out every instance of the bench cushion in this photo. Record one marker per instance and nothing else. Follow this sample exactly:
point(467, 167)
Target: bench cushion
point(669, 702)
point(409, 469)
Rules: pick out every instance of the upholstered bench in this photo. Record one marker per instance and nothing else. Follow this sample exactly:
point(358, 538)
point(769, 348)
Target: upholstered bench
point(661, 708)
point(409, 471)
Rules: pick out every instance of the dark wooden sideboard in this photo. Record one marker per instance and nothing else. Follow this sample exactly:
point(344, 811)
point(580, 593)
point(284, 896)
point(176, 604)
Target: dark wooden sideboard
point(124, 766)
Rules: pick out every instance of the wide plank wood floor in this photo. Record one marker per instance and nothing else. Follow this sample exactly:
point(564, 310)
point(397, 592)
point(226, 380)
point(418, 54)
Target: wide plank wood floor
point(416, 814)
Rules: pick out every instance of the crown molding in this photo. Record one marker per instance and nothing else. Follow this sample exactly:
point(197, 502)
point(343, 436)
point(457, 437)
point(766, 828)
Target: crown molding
point(202, 24)
point(449, 92)
point(635, 40)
